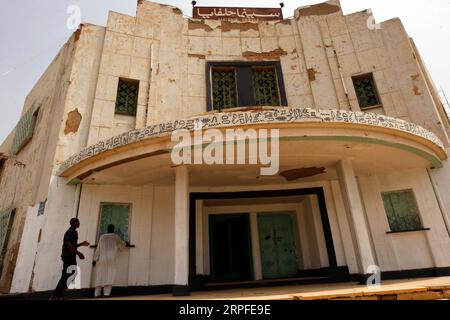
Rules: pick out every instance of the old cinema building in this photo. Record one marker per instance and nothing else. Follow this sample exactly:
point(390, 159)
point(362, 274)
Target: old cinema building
point(363, 170)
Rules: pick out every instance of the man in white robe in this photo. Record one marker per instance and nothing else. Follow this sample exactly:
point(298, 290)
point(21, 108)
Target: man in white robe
point(105, 258)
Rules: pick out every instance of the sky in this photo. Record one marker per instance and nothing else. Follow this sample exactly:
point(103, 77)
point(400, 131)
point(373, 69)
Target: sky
point(33, 31)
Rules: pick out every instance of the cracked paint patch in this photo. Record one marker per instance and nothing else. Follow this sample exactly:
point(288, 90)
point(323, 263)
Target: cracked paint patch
point(416, 90)
point(274, 54)
point(318, 10)
point(311, 74)
point(73, 122)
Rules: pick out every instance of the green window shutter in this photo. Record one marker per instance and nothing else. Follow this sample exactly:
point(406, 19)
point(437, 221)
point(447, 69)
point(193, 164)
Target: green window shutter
point(119, 216)
point(402, 211)
point(366, 91)
point(6, 219)
point(127, 97)
point(224, 88)
point(265, 85)
point(41, 209)
point(24, 129)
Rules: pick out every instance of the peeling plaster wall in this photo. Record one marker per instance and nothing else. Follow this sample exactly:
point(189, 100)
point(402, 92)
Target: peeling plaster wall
point(320, 49)
point(79, 101)
point(26, 177)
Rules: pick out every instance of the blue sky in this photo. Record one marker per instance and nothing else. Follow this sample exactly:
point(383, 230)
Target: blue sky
point(33, 31)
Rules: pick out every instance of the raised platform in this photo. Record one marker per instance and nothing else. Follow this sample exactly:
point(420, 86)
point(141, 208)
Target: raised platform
point(410, 289)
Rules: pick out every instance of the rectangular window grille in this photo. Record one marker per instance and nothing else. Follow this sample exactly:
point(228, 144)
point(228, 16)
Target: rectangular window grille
point(25, 129)
point(245, 84)
point(402, 211)
point(127, 97)
point(366, 91)
point(224, 88)
point(6, 219)
point(265, 86)
point(118, 215)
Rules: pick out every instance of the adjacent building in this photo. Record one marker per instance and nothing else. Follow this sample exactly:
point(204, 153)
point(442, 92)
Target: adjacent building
point(363, 173)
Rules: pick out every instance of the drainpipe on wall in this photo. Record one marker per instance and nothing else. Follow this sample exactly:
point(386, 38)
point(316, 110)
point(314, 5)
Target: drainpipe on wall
point(341, 73)
point(150, 72)
point(439, 200)
point(76, 205)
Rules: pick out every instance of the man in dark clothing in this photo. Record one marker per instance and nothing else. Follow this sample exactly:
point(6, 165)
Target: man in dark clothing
point(69, 256)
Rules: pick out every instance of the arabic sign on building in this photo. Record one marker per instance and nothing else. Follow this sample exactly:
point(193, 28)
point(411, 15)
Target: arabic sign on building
point(228, 13)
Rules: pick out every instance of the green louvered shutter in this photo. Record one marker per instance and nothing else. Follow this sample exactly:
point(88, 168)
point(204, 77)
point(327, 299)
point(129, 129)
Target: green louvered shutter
point(6, 219)
point(24, 129)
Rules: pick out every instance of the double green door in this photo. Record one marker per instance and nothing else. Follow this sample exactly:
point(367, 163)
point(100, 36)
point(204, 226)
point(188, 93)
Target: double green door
point(277, 245)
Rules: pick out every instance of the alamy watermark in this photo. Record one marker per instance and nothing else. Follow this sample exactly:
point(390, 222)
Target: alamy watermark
point(74, 280)
point(214, 146)
point(372, 25)
point(374, 280)
point(74, 19)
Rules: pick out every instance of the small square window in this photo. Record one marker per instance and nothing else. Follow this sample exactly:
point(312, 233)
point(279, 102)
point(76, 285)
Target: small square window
point(402, 211)
point(366, 91)
point(127, 97)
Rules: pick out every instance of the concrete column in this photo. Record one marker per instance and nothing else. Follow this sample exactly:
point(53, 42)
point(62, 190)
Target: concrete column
point(199, 237)
point(355, 213)
point(254, 230)
point(181, 277)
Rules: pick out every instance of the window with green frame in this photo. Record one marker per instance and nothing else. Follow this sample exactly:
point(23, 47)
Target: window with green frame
point(242, 84)
point(224, 88)
point(265, 86)
point(402, 211)
point(6, 220)
point(24, 130)
point(127, 97)
point(117, 214)
point(366, 91)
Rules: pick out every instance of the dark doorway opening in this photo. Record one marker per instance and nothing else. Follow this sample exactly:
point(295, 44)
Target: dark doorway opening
point(231, 256)
point(333, 273)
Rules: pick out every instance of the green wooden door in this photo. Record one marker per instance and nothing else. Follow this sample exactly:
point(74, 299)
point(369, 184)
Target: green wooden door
point(231, 257)
point(277, 245)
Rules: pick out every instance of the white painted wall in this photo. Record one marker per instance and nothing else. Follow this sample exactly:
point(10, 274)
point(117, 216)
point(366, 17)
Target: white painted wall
point(27, 251)
point(412, 250)
point(152, 230)
point(58, 212)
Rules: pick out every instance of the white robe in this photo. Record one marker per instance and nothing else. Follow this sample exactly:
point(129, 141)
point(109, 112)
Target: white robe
point(105, 257)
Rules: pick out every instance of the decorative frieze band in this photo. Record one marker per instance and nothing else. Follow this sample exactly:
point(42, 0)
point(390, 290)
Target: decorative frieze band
point(227, 119)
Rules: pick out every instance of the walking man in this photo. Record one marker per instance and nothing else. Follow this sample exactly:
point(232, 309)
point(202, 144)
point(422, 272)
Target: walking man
point(105, 258)
point(69, 256)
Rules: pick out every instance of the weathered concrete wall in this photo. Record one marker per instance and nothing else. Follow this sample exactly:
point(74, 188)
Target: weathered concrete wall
point(26, 177)
point(78, 104)
point(394, 251)
point(320, 49)
point(440, 178)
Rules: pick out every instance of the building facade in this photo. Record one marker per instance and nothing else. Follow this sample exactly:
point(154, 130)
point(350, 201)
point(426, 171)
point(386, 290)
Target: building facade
point(363, 141)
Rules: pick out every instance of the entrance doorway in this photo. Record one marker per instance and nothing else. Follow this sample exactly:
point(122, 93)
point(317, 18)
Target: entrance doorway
point(277, 244)
point(231, 256)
